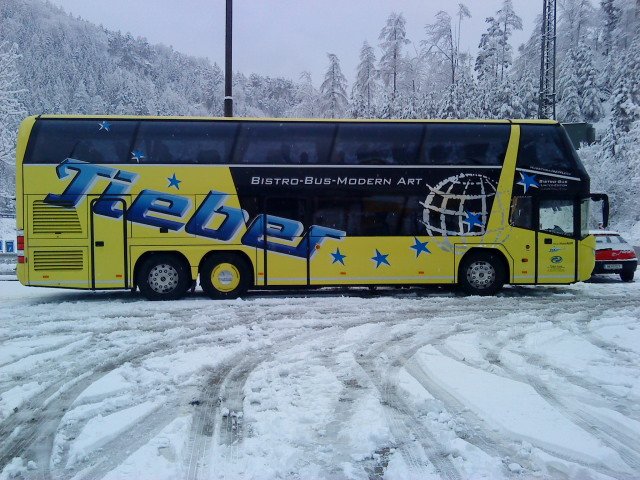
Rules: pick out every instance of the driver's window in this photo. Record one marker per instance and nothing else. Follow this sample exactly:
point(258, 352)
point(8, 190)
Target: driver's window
point(556, 216)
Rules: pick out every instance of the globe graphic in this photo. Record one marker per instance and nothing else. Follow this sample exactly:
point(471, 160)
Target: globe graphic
point(459, 205)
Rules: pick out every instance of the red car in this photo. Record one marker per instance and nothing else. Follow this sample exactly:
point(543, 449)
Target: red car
point(614, 255)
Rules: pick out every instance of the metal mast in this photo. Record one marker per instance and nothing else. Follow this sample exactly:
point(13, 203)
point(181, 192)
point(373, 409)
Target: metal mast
point(547, 99)
point(228, 73)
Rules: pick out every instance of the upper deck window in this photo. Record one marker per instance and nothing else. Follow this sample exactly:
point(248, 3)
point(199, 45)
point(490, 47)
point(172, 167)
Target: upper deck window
point(94, 141)
point(377, 144)
point(184, 142)
point(284, 143)
point(545, 146)
point(465, 144)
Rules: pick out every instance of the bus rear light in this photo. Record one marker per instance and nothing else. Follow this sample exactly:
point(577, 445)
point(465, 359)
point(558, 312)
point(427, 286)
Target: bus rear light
point(20, 246)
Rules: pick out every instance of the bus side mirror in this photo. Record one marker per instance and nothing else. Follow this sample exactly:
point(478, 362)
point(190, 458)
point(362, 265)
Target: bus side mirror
point(604, 198)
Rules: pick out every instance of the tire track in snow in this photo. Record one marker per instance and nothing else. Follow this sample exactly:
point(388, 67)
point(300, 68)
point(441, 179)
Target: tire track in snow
point(36, 427)
point(422, 448)
point(627, 447)
point(224, 391)
point(115, 451)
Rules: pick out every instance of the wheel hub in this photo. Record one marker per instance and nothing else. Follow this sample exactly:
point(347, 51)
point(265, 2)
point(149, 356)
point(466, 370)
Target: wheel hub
point(225, 277)
point(481, 274)
point(163, 278)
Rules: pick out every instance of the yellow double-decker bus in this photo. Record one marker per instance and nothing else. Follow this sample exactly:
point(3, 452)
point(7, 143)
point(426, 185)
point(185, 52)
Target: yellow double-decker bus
point(155, 204)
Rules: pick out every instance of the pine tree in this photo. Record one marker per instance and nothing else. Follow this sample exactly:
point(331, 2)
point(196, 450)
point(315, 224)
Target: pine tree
point(440, 40)
point(392, 39)
point(333, 94)
point(306, 99)
point(508, 21)
point(590, 104)
point(365, 87)
point(611, 17)
point(11, 112)
point(569, 104)
point(488, 62)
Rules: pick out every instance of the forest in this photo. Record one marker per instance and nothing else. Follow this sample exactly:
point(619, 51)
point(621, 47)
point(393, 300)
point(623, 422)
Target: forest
point(52, 62)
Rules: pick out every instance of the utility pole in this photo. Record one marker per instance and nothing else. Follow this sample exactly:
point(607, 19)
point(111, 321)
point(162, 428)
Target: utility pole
point(228, 74)
point(547, 99)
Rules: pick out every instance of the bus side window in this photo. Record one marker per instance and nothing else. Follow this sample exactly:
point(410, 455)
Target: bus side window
point(522, 212)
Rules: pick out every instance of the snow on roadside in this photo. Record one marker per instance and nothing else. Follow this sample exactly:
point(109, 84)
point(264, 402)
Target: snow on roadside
point(100, 430)
point(308, 386)
point(159, 458)
point(14, 398)
point(506, 405)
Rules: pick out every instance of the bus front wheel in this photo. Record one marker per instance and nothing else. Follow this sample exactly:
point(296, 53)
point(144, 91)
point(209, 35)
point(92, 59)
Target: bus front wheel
point(224, 276)
point(481, 274)
point(163, 277)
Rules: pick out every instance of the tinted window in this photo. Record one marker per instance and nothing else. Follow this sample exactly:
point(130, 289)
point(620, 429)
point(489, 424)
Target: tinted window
point(522, 212)
point(465, 144)
point(545, 146)
point(385, 215)
point(377, 144)
point(95, 141)
point(183, 142)
point(284, 143)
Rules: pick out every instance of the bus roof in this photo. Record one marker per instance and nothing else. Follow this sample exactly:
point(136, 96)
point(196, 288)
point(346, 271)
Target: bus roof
point(345, 120)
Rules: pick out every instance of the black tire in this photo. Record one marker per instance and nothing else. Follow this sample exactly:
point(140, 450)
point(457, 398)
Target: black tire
point(481, 273)
point(225, 275)
point(627, 275)
point(163, 277)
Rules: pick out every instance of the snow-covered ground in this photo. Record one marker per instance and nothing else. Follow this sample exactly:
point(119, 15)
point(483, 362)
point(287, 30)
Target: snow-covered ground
point(539, 382)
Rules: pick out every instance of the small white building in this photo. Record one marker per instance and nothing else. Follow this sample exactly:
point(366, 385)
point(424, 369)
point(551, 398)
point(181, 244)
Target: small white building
point(8, 235)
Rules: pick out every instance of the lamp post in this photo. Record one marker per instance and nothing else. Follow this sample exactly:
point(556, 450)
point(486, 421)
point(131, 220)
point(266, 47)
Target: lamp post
point(228, 80)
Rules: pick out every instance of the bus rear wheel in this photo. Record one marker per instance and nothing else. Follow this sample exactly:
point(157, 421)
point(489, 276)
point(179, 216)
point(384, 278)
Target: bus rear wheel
point(481, 274)
point(224, 276)
point(163, 277)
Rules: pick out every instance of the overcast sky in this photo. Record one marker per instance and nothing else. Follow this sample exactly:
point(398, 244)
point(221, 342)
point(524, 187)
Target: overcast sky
point(286, 37)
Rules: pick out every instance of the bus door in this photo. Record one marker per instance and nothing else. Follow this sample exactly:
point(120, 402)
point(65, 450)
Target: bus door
point(287, 248)
point(556, 258)
point(109, 243)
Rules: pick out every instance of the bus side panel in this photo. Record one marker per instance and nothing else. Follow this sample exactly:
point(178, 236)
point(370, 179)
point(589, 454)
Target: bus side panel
point(23, 139)
point(586, 257)
point(382, 260)
point(57, 251)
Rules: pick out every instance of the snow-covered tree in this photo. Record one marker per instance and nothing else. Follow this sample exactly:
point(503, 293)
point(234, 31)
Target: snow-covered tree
point(508, 21)
point(392, 40)
point(590, 101)
point(569, 105)
point(365, 87)
point(11, 112)
point(306, 99)
point(333, 91)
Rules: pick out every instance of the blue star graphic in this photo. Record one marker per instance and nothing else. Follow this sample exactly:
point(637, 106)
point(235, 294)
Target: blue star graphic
point(137, 155)
point(473, 219)
point(420, 247)
point(174, 182)
point(338, 257)
point(104, 125)
point(380, 259)
point(528, 181)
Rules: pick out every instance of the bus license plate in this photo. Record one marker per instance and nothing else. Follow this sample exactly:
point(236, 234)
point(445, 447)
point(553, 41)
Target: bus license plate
point(612, 266)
